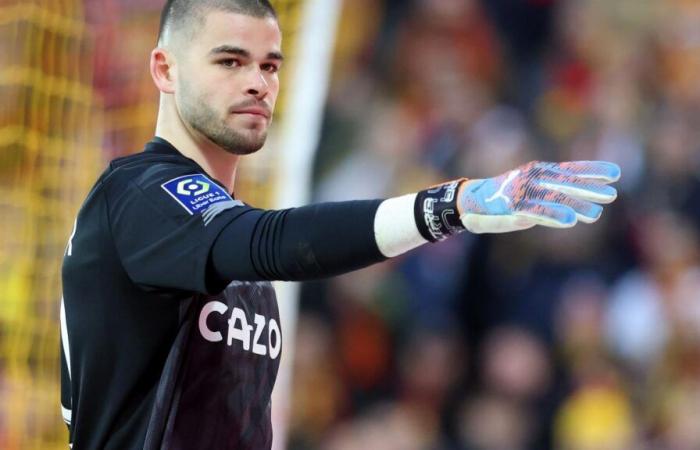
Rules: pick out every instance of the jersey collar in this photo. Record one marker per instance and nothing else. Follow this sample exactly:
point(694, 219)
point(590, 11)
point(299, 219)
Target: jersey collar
point(160, 145)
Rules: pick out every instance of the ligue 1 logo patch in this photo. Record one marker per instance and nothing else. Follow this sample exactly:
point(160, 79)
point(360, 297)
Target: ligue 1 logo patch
point(198, 194)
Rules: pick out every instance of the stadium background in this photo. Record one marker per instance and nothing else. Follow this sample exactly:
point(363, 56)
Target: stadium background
point(585, 339)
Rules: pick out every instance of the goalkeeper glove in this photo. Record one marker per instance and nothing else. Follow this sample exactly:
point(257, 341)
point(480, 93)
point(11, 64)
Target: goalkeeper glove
point(538, 193)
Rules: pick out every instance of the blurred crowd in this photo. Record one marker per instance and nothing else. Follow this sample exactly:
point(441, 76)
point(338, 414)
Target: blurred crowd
point(581, 339)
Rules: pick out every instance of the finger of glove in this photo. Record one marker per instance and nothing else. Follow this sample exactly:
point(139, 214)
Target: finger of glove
point(548, 214)
point(587, 212)
point(582, 189)
point(601, 171)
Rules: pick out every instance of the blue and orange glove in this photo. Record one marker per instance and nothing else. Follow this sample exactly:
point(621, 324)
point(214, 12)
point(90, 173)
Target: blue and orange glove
point(554, 195)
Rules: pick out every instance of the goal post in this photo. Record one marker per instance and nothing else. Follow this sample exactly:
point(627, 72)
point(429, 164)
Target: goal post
point(295, 148)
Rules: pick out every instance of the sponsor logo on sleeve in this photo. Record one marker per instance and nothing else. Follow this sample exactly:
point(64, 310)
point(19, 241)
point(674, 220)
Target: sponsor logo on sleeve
point(197, 194)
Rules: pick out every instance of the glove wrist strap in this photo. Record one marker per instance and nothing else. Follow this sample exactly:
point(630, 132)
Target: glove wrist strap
point(436, 213)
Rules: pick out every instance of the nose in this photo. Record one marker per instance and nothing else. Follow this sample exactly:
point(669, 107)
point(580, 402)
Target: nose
point(256, 85)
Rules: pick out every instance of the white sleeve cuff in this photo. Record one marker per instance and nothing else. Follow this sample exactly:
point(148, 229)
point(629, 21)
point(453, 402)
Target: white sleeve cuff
point(395, 227)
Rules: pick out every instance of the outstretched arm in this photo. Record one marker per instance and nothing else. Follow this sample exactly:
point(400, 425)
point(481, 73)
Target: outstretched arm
point(331, 238)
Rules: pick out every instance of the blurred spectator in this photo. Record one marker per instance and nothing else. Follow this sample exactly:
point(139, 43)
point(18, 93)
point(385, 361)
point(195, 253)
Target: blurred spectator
point(493, 422)
point(318, 390)
point(388, 426)
point(429, 365)
point(596, 418)
point(676, 423)
point(516, 364)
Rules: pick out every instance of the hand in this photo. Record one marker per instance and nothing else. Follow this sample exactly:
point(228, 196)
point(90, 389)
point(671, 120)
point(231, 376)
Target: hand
point(538, 193)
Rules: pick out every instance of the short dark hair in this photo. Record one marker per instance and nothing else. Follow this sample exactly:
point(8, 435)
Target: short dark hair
point(182, 14)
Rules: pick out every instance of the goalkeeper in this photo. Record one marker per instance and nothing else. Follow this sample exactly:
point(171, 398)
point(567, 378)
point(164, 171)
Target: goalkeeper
point(170, 334)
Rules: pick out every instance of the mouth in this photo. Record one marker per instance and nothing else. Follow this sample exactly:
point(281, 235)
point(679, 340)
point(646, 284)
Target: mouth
point(254, 111)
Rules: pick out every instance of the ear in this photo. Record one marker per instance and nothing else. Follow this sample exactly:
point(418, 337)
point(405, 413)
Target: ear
point(162, 70)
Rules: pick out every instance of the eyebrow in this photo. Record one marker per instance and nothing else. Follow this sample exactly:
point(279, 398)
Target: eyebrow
point(233, 50)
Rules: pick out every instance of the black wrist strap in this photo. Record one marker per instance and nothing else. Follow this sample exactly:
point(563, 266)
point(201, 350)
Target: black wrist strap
point(436, 213)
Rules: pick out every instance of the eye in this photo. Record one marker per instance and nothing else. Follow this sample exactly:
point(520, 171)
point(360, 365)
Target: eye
point(229, 62)
point(269, 67)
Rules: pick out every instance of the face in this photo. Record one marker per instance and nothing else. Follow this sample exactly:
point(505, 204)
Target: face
point(227, 81)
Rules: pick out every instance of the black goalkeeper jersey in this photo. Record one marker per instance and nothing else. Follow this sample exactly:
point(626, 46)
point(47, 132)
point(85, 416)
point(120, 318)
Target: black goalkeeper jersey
point(157, 352)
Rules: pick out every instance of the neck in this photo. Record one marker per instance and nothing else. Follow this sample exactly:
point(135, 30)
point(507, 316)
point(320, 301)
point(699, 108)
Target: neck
point(216, 162)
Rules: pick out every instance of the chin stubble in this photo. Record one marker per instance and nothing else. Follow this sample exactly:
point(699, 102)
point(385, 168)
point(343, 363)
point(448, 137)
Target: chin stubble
point(205, 121)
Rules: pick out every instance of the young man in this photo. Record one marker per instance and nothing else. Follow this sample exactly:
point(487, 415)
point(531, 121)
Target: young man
point(170, 328)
